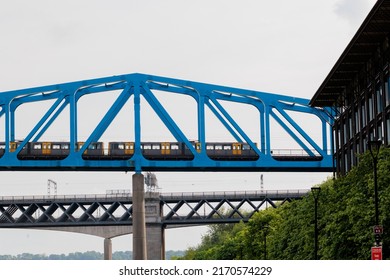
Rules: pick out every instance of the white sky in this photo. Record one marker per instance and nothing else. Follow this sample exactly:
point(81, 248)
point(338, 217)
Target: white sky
point(285, 47)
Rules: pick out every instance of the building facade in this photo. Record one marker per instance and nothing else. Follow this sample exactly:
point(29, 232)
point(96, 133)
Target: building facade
point(357, 90)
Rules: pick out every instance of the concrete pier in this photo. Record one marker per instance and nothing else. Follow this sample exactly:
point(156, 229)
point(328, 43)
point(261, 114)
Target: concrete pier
point(139, 228)
point(154, 227)
point(107, 249)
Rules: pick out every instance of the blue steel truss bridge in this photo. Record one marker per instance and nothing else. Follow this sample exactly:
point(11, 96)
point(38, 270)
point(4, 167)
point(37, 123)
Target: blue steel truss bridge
point(30, 141)
point(174, 209)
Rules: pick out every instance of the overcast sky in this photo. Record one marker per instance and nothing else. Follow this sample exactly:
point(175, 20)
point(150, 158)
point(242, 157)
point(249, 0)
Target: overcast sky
point(285, 47)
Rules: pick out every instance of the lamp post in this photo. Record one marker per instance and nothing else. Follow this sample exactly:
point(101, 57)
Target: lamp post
point(316, 194)
point(373, 147)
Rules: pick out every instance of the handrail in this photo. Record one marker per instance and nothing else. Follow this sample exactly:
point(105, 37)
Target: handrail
point(173, 195)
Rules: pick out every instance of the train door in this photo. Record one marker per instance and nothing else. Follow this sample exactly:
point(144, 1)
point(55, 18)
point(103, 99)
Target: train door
point(13, 146)
point(198, 147)
point(129, 148)
point(237, 148)
point(165, 148)
point(46, 148)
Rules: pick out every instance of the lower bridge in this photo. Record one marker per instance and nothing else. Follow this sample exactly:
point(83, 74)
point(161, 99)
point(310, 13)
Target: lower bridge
point(110, 215)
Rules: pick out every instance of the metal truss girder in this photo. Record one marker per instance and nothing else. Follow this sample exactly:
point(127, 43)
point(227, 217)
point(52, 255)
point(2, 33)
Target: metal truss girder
point(173, 211)
point(194, 210)
point(182, 210)
point(88, 212)
point(215, 211)
point(67, 95)
point(127, 214)
point(27, 213)
point(108, 212)
point(6, 214)
point(67, 212)
point(47, 213)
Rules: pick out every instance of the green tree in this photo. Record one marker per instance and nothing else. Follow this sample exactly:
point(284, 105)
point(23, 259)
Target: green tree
point(346, 216)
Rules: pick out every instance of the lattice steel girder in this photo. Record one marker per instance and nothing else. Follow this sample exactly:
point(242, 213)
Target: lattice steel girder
point(187, 208)
point(219, 209)
point(57, 213)
point(317, 156)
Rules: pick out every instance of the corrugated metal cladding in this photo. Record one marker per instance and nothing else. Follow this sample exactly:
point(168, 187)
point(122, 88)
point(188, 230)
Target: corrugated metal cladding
point(357, 88)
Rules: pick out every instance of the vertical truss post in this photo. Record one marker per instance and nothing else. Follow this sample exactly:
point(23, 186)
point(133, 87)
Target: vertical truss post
point(137, 126)
point(73, 120)
point(201, 121)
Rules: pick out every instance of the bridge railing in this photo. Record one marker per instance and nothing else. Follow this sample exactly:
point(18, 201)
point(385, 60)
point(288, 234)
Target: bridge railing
point(71, 198)
point(238, 194)
point(156, 195)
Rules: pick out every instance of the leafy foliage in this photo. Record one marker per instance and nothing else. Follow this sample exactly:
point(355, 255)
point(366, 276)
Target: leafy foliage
point(346, 216)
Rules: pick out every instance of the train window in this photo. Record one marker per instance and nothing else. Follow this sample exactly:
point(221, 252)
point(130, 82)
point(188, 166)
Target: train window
point(37, 146)
point(56, 146)
point(94, 146)
point(227, 147)
point(2, 147)
point(209, 147)
point(65, 146)
point(246, 147)
point(121, 146)
point(146, 146)
point(174, 147)
point(218, 147)
point(156, 147)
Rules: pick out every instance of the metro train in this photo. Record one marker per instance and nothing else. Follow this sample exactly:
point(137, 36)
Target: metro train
point(124, 150)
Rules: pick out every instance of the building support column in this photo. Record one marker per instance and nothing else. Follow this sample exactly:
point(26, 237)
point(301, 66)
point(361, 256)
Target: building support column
point(107, 249)
point(139, 228)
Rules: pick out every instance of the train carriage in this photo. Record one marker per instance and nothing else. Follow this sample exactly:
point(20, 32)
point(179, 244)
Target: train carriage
point(46, 150)
point(95, 150)
point(230, 151)
point(120, 150)
point(166, 150)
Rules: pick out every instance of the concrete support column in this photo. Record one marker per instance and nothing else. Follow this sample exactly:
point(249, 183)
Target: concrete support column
point(154, 227)
point(156, 242)
point(139, 228)
point(107, 249)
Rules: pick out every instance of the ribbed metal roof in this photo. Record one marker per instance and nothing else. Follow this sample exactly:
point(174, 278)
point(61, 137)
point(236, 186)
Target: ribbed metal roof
point(363, 45)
